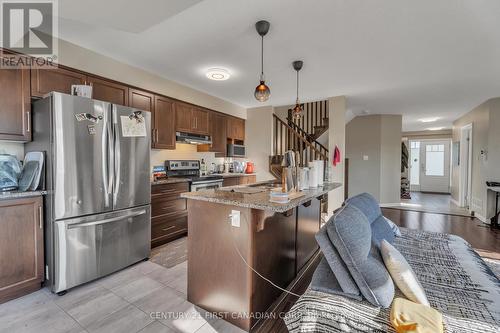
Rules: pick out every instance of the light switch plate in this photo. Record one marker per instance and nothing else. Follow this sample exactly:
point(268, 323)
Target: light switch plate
point(365, 157)
point(235, 218)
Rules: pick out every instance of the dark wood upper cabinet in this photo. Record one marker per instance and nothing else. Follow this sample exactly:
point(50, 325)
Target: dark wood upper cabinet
point(218, 133)
point(21, 246)
point(191, 119)
point(15, 104)
point(141, 100)
point(108, 91)
point(183, 115)
point(236, 128)
point(164, 123)
point(200, 121)
point(44, 81)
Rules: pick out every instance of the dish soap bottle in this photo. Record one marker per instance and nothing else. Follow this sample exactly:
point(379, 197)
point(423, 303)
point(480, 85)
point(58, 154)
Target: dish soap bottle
point(203, 168)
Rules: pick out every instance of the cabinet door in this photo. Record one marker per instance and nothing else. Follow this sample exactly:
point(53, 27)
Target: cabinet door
point(218, 133)
point(236, 128)
point(200, 121)
point(164, 124)
point(43, 81)
point(183, 117)
point(21, 247)
point(141, 100)
point(108, 91)
point(15, 110)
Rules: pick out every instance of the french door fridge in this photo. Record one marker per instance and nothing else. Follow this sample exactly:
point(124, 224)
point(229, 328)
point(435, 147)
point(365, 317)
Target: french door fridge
point(97, 208)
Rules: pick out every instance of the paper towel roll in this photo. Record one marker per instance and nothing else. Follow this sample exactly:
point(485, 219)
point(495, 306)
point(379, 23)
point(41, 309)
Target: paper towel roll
point(320, 167)
point(313, 175)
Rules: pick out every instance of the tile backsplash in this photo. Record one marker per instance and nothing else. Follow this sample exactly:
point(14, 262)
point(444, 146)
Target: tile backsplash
point(12, 148)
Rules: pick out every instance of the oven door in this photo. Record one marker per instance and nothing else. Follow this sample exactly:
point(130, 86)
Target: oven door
point(206, 185)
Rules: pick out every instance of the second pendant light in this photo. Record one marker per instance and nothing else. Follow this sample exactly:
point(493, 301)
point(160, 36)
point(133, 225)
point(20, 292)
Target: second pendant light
point(298, 109)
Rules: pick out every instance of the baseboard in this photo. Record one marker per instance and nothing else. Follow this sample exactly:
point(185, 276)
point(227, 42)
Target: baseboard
point(482, 218)
point(455, 202)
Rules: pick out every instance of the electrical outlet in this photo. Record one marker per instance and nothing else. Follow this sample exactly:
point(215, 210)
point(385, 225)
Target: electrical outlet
point(235, 218)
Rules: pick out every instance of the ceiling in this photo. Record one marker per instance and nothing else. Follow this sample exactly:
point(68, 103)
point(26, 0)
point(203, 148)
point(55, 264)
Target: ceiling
point(421, 59)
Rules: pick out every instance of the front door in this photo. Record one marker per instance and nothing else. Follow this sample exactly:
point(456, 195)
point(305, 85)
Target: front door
point(435, 167)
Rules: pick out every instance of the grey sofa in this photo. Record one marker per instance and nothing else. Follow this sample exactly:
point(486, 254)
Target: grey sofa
point(456, 280)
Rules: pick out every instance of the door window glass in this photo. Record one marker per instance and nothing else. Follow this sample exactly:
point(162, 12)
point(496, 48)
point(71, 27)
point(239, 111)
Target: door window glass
point(434, 160)
point(414, 164)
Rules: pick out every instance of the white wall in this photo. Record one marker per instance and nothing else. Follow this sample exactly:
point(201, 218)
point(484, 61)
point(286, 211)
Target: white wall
point(259, 139)
point(337, 108)
point(485, 120)
point(373, 147)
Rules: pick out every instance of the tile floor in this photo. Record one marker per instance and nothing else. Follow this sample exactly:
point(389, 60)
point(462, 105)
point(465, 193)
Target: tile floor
point(145, 298)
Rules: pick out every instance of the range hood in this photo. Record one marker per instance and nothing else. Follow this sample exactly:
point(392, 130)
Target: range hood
point(195, 139)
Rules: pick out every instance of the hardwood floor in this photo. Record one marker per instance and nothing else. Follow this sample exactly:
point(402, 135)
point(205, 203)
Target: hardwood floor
point(484, 240)
point(430, 203)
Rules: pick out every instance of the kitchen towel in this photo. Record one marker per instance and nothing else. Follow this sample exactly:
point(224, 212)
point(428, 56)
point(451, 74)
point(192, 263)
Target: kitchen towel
point(336, 156)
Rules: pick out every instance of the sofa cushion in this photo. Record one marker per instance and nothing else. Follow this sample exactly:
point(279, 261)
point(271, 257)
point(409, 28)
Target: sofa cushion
point(402, 274)
point(381, 229)
point(351, 235)
point(336, 264)
point(394, 227)
point(324, 280)
point(366, 203)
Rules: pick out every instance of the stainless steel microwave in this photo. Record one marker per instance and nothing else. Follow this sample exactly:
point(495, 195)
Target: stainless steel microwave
point(236, 150)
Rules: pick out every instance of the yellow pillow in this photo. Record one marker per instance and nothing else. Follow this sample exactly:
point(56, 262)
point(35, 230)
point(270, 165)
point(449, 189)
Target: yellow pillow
point(409, 317)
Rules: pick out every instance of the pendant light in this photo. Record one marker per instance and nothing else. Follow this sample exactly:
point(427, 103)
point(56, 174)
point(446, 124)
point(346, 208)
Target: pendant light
point(262, 91)
point(298, 109)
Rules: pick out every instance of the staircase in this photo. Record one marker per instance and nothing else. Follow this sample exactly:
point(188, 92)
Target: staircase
point(300, 135)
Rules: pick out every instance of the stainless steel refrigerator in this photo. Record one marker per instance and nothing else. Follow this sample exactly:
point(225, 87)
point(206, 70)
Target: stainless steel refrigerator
point(97, 210)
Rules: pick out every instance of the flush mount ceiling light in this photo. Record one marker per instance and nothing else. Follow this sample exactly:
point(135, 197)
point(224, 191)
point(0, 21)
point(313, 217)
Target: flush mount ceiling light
point(298, 109)
point(217, 74)
point(435, 128)
point(262, 91)
point(429, 120)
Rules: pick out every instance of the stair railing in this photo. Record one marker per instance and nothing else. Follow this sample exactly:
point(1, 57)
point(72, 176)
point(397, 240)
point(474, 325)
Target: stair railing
point(308, 136)
point(314, 113)
point(287, 137)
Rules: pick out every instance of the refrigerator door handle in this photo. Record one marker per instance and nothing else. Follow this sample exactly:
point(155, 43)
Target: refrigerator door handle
point(105, 164)
point(112, 219)
point(117, 155)
point(110, 154)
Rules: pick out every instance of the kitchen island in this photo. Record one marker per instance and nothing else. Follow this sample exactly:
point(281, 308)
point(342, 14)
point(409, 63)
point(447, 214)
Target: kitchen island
point(224, 254)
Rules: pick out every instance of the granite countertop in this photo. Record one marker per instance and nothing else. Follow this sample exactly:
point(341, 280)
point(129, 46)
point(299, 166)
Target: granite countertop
point(229, 175)
point(170, 181)
point(257, 200)
point(182, 180)
point(17, 195)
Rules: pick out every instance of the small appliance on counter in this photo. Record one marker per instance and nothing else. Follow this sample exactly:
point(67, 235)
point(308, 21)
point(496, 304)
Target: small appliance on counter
point(250, 168)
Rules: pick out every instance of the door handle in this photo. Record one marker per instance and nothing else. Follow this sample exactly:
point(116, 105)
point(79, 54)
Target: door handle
point(28, 121)
point(112, 219)
point(40, 217)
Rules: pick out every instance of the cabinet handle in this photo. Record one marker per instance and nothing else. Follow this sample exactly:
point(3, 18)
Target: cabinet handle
point(166, 229)
point(40, 217)
point(156, 131)
point(28, 125)
point(153, 135)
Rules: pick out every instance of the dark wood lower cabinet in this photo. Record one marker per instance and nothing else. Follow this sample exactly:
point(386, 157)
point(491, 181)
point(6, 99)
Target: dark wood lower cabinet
point(21, 247)
point(168, 213)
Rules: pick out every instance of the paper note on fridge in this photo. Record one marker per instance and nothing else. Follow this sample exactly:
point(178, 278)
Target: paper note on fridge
point(132, 127)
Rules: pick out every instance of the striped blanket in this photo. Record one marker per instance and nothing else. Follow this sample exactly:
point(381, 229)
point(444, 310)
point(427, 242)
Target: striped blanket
point(456, 280)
